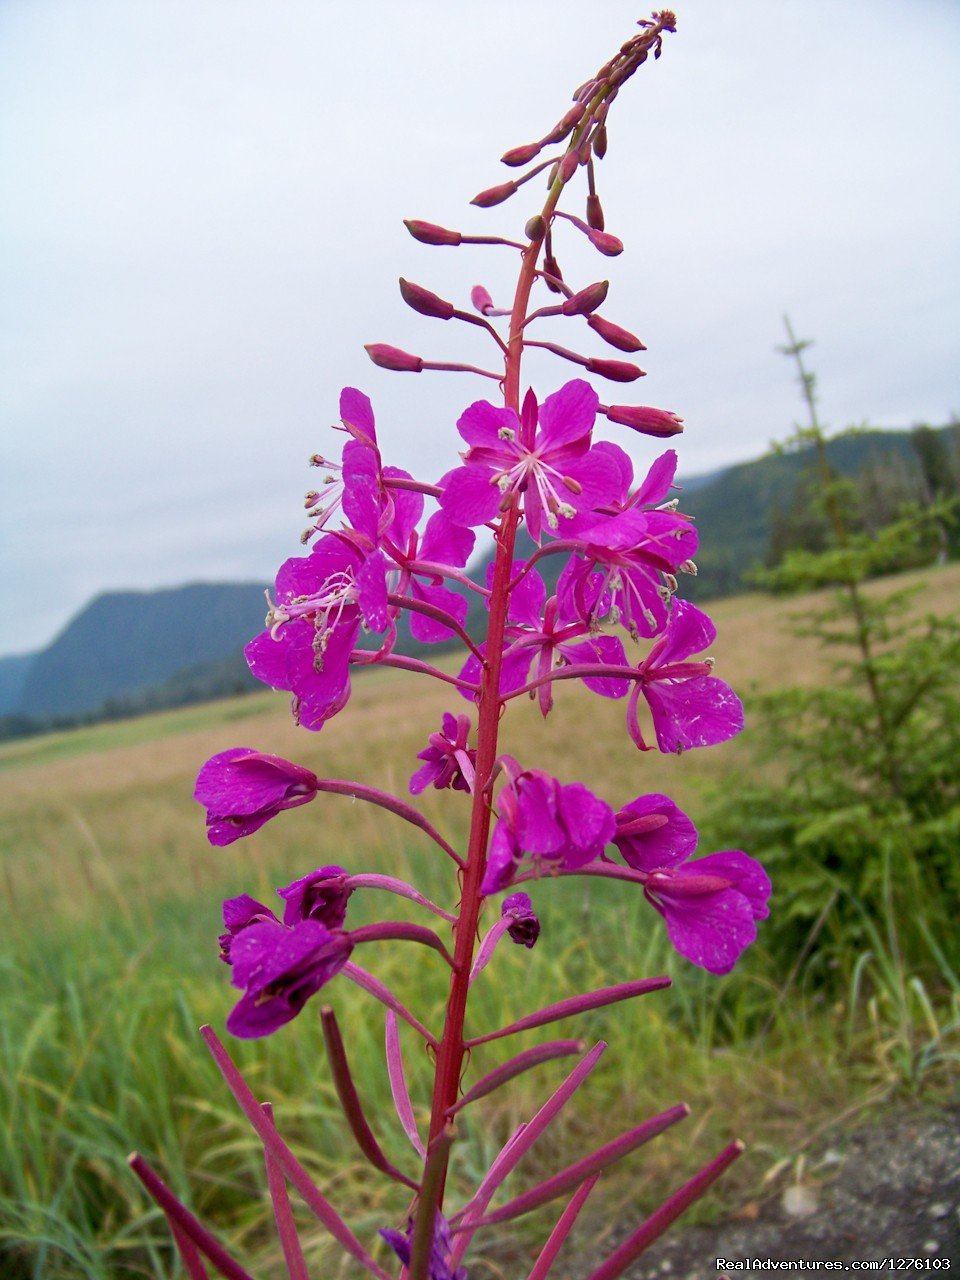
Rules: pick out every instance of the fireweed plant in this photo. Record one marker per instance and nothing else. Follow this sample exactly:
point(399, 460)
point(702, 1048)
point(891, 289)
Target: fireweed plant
point(528, 461)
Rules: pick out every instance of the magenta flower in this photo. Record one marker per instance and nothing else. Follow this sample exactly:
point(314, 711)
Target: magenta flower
point(356, 414)
point(320, 896)
point(524, 926)
point(449, 761)
point(279, 970)
point(561, 826)
point(638, 552)
point(690, 707)
point(313, 627)
point(543, 635)
point(238, 914)
point(544, 456)
point(242, 789)
point(711, 906)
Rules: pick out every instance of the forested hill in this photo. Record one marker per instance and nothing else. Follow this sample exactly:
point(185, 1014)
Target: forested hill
point(135, 651)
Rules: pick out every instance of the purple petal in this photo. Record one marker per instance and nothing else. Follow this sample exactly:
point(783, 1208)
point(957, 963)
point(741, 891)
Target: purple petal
point(430, 630)
point(243, 781)
point(567, 415)
point(319, 896)
point(693, 713)
point(527, 597)
point(445, 542)
point(356, 412)
point(267, 657)
point(689, 631)
point(647, 847)
point(480, 425)
point(468, 497)
point(711, 930)
point(281, 968)
point(658, 480)
point(372, 591)
point(746, 873)
point(589, 821)
point(605, 649)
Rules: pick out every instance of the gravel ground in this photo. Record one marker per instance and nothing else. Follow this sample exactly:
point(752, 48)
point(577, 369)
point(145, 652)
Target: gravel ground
point(889, 1190)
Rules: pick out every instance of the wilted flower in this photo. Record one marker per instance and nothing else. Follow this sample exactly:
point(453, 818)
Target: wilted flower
point(524, 926)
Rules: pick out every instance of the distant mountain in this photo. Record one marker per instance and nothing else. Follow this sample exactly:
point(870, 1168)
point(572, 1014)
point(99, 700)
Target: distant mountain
point(13, 675)
point(126, 642)
point(734, 509)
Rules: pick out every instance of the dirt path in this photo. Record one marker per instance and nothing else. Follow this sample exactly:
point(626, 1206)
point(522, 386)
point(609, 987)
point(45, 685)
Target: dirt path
point(890, 1190)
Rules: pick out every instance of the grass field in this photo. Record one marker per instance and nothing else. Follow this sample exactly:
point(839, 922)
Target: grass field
point(108, 965)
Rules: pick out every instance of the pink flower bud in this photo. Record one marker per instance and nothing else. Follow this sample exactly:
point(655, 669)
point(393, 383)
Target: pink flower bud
point(551, 267)
point(521, 155)
point(422, 300)
point(615, 370)
point(430, 233)
point(622, 339)
point(587, 300)
point(388, 357)
point(606, 243)
point(536, 228)
point(563, 126)
point(643, 418)
point(494, 195)
point(568, 165)
point(594, 213)
point(600, 142)
point(481, 300)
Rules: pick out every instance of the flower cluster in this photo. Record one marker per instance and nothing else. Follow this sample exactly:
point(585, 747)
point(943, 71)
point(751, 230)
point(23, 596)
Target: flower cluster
point(596, 601)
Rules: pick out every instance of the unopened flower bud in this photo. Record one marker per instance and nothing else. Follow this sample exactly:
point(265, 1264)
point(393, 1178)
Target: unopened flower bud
point(568, 166)
point(615, 370)
point(587, 300)
point(388, 357)
point(594, 212)
point(536, 228)
point(643, 418)
point(618, 337)
point(422, 300)
point(430, 233)
point(600, 142)
point(521, 155)
point(481, 300)
point(606, 243)
point(564, 125)
point(551, 269)
point(494, 195)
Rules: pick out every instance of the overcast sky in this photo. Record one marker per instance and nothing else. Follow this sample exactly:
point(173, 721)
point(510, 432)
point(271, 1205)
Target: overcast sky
point(201, 225)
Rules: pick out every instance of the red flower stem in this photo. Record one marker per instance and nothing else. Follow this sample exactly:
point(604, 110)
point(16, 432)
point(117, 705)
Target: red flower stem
point(452, 1044)
point(373, 795)
point(285, 1158)
point(602, 1158)
point(415, 486)
point(661, 1218)
point(575, 1005)
point(282, 1213)
point(548, 1254)
point(430, 569)
point(516, 1066)
point(398, 930)
point(187, 1223)
point(386, 997)
point(189, 1254)
point(414, 664)
point(351, 1104)
point(398, 1085)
